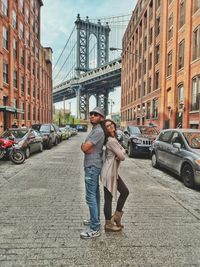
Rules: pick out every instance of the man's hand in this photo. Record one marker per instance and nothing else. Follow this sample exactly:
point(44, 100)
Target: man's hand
point(87, 147)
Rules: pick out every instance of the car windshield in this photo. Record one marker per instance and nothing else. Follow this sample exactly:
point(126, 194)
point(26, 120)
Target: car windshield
point(143, 130)
point(45, 128)
point(193, 139)
point(16, 133)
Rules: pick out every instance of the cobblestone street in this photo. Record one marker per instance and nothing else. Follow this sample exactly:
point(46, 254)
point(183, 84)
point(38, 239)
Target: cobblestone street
point(42, 206)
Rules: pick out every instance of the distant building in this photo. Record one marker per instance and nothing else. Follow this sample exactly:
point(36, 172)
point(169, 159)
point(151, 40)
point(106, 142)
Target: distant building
point(26, 67)
point(161, 64)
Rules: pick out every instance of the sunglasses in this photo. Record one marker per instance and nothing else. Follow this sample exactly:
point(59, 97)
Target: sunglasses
point(94, 114)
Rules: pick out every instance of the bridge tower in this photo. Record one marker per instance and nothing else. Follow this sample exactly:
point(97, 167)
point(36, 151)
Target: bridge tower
point(84, 29)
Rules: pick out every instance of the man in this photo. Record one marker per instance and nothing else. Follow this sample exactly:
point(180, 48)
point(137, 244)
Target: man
point(92, 147)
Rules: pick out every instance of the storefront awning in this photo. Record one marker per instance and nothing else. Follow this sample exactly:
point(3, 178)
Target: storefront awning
point(11, 109)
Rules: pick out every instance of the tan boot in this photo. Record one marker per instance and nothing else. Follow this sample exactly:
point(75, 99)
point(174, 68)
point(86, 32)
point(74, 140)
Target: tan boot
point(110, 227)
point(116, 218)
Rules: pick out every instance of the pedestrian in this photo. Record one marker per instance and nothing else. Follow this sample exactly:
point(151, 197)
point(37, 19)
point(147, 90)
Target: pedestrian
point(111, 180)
point(93, 148)
point(14, 125)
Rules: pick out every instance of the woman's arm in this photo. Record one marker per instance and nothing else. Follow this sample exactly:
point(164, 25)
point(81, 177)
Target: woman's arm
point(116, 148)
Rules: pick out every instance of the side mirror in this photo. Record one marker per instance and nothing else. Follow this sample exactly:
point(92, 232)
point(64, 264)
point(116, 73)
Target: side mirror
point(11, 138)
point(177, 145)
point(126, 132)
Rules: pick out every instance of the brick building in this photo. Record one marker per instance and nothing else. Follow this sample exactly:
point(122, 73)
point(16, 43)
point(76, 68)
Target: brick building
point(26, 67)
point(161, 64)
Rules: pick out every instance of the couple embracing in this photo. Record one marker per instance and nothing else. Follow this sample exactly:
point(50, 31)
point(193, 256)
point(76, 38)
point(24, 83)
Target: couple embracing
point(103, 133)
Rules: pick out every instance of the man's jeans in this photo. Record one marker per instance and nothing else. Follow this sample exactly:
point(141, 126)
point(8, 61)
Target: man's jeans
point(93, 195)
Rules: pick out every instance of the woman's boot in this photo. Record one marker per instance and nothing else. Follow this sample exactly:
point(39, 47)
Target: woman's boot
point(111, 227)
point(116, 218)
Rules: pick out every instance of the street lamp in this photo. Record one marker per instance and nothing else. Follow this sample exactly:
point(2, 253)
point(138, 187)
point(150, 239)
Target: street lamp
point(142, 108)
point(111, 102)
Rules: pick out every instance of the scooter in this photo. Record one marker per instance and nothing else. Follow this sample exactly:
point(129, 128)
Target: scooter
point(8, 147)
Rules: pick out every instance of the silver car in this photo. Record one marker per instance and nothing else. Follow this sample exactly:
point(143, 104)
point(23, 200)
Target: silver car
point(179, 151)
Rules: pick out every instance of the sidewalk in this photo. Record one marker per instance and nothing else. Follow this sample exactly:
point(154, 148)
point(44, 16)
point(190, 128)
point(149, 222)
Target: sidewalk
point(42, 208)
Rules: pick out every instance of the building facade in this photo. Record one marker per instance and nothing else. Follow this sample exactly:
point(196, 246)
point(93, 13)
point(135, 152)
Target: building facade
point(26, 67)
point(161, 65)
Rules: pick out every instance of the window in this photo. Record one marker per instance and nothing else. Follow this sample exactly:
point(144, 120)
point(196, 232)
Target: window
point(196, 43)
point(169, 63)
point(151, 35)
point(5, 38)
point(181, 55)
point(144, 89)
point(4, 7)
point(157, 83)
point(22, 6)
point(180, 94)
point(145, 64)
point(14, 48)
point(149, 84)
point(21, 30)
point(157, 26)
point(151, 10)
point(170, 27)
point(5, 72)
point(157, 53)
point(22, 83)
point(155, 108)
point(29, 87)
point(22, 55)
point(148, 114)
point(196, 5)
point(29, 112)
point(150, 60)
point(165, 136)
point(145, 43)
point(27, 15)
point(157, 4)
point(29, 62)
point(15, 78)
point(182, 13)
point(27, 39)
point(195, 93)
point(14, 19)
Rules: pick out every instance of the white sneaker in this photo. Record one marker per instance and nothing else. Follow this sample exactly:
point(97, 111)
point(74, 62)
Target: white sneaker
point(89, 233)
point(86, 222)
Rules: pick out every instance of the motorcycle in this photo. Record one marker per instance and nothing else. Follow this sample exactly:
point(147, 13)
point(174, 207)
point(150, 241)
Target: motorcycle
point(8, 147)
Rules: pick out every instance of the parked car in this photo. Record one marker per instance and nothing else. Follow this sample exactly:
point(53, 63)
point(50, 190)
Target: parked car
point(137, 140)
point(29, 140)
point(179, 151)
point(59, 133)
point(49, 134)
point(65, 133)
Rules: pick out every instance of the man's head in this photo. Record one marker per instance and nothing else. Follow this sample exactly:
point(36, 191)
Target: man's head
point(97, 115)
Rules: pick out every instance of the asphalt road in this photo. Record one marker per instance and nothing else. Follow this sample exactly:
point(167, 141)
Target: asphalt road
point(42, 206)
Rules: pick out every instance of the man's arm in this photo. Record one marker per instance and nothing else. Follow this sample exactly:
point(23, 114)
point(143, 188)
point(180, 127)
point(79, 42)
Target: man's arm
point(87, 147)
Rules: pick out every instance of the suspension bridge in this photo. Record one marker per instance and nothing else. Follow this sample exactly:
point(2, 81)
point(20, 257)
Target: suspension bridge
point(85, 67)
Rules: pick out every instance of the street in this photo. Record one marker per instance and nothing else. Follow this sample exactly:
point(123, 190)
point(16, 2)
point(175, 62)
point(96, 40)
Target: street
point(42, 206)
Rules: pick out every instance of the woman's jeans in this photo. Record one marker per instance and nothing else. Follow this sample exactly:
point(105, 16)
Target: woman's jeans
point(93, 195)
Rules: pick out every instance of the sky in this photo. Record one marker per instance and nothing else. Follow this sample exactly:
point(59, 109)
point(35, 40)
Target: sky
point(57, 22)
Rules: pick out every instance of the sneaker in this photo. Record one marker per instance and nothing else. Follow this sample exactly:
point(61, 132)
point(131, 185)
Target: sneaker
point(86, 222)
point(89, 233)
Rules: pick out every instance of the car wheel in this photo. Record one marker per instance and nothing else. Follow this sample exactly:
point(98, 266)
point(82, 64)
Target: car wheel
point(49, 146)
point(130, 150)
point(27, 152)
point(154, 161)
point(188, 175)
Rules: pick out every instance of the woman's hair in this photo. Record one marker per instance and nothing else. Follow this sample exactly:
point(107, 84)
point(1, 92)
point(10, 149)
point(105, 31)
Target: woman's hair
point(103, 125)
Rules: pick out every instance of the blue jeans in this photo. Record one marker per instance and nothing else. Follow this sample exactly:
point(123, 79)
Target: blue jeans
point(93, 195)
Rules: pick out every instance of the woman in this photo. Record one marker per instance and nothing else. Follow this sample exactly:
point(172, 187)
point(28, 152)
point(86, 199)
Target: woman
point(111, 179)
